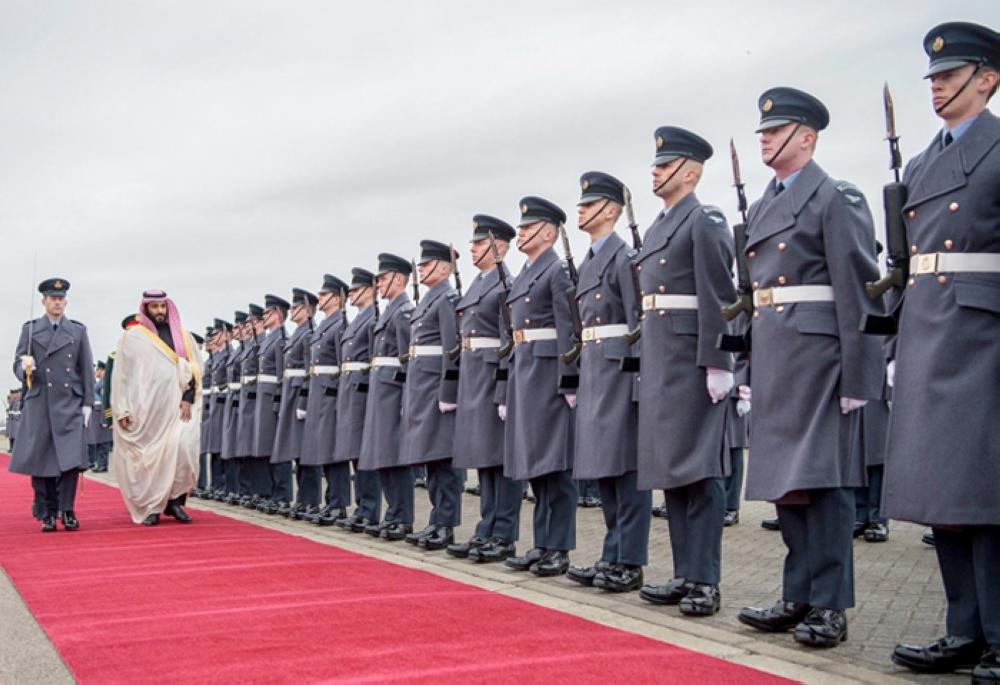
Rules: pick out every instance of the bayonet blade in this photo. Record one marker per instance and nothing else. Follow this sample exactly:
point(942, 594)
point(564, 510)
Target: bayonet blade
point(890, 114)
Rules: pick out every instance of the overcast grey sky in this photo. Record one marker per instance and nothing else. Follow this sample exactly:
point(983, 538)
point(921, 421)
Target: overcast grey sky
point(224, 149)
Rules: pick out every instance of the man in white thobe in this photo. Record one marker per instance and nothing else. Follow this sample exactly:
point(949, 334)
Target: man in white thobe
point(157, 412)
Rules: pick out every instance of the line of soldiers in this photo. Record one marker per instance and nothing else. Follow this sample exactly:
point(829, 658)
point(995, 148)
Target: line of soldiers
point(13, 405)
point(635, 371)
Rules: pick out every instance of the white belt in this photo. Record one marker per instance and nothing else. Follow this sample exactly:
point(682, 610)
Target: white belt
point(947, 262)
point(266, 378)
point(385, 361)
point(480, 343)
point(219, 389)
point(234, 386)
point(426, 350)
point(650, 302)
point(523, 335)
point(324, 370)
point(295, 373)
point(769, 297)
point(615, 330)
point(247, 380)
point(208, 391)
point(347, 367)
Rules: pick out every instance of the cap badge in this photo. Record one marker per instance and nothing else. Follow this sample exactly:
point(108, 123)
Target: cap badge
point(524, 209)
point(768, 104)
point(475, 225)
point(659, 142)
point(937, 44)
point(585, 184)
point(57, 285)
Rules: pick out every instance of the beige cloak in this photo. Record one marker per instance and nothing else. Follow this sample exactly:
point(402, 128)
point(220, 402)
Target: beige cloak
point(156, 460)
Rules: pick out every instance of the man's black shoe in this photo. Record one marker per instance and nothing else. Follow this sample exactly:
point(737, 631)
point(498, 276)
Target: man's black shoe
point(946, 655)
point(928, 538)
point(361, 525)
point(284, 509)
point(554, 563)
point(701, 600)
point(69, 521)
point(621, 578)
point(876, 532)
point(461, 549)
point(770, 524)
point(473, 490)
point(659, 512)
point(497, 550)
point(151, 520)
point(375, 529)
point(987, 671)
point(439, 539)
point(427, 531)
point(669, 594)
point(591, 502)
point(420, 482)
point(859, 529)
point(524, 562)
point(177, 511)
point(396, 531)
point(731, 518)
point(332, 517)
point(822, 628)
point(777, 619)
point(584, 575)
point(48, 524)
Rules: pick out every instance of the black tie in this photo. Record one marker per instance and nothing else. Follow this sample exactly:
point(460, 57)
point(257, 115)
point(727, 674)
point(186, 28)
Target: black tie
point(55, 327)
point(948, 139)
point(590, 253)
point(778, 188)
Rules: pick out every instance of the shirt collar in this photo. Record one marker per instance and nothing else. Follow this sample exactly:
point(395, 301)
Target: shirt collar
point(790, 179)
point(959, 130)
point(598, 244)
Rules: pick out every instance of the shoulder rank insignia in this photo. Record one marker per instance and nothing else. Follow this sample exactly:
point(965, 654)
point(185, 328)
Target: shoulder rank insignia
point(849, 192)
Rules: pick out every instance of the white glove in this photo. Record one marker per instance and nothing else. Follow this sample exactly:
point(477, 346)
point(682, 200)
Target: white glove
point(745, 393)
point(890, 374)
point(849, 404)
point(743, 403)
point(502, 411)
point(300, 414)
point(719, 383)
point(86, 416)
point(27, 364)
point(446, 407)
point(570, 400)
point(742, 408)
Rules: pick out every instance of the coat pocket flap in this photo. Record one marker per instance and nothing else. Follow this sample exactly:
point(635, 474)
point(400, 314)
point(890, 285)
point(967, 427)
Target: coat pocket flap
point(816, 322)
point(978, 292)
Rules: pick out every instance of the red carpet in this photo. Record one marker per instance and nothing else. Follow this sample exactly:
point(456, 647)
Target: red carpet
point(226, 601)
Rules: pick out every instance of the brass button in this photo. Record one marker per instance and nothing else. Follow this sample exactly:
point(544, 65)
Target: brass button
point(663, 288)
point(65, 385)
point(751, 254)
point(473, 331)
point(527, 300)
point(780, 308)
point(70, 356)
point(663, 261)
point(67, 370)
point(910, 283)
point(642, 292)
point(948, 244)
point(756, 284)
point(527, 321)
point(50, 385)
point(953, 207)
point(597, 319)
point(638, 267)
point(942, 279)
point(913, 249)
point(912, 214)
point(47, 370)
point(661, 312)
point(642, 317)
point(756, 315)
point(782, 280)
point(597, 296)
point(782, 247)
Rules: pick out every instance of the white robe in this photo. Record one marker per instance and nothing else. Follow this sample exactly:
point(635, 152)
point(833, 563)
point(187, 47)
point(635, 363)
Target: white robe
point(156, 460)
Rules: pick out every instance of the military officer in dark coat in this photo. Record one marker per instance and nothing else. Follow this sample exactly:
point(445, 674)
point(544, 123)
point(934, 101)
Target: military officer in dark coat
point(870, 522)
point(541, 390)
point(270, 367)
point(205, 344)
point(606, 412)
point(942, 465)
point(291, 421)
point(53, 362)
point(99, 433)
point(217, 412)
point(479, 435)
point(14, 403)
point(252, 485)
point(685, 268)
point(380, 440)
point(427, 436)
point(810, 248)
point(318, 404)
point(230, 421)
point(352, 397)
point(737, 426)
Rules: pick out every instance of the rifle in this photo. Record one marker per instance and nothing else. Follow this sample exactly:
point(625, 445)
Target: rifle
point(570, 355)
point(414, 279)
point(633, 336)
point(457, 350)
point(505, 313)
point(31, 323)
point(343, 311)
point(744, 301)
point(894, 197)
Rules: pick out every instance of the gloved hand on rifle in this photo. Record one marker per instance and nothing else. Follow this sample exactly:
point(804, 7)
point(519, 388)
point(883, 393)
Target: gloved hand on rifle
point(719, 383)
point(743, 403)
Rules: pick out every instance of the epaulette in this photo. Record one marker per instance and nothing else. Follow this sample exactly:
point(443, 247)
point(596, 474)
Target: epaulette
point(632, 253)
point(714, 214)
point(849, 192)
point(453, 296)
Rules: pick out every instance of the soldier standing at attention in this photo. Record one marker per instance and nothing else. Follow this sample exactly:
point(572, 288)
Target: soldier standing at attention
point(270, 483)
point(290, 424)
point(352, 398)
point(685, 268)
point(482, 387)
point(53, 362)
point(230, 421)
point(810, 248)
point(380, 441)
point(318, 406)
point(428, 429)
point(541, 390)
point(205, 344)
point(251, 476)
point(217, 412)
point(942, 465)
point(606, 412)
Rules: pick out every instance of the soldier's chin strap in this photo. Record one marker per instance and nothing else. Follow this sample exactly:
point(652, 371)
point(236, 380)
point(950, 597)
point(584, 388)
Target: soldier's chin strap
point(533, 235)
point(938, 110)
point(594, 216)
point(668, 179)
point(784, 145)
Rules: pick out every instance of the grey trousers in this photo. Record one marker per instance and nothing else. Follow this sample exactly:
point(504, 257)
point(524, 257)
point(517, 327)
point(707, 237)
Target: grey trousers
point(554, 519)
point(626, 517)
point(969, 558)
point(499, 505)
point(695, 513)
